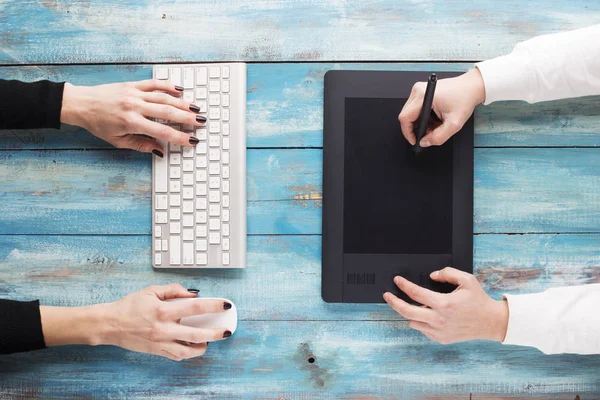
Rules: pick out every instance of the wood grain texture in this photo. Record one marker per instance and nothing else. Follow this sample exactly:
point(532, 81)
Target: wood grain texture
point(266, 359)
point(517, 190)
point(107, 31)
point(285, 107)
point(283, 278)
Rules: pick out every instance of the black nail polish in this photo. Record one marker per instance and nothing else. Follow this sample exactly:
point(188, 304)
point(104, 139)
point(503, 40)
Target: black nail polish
point(195, 291)
point(200, 118)
point(158, 153)
point(194, 108)
point(194, 140)
point(179, 88)
point(226, 305)
point(226, 334)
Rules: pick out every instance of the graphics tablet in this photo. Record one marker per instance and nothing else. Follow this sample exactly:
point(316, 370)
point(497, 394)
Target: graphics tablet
point(387, 211)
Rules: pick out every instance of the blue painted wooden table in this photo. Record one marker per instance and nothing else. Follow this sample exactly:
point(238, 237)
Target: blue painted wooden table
point(75, 213)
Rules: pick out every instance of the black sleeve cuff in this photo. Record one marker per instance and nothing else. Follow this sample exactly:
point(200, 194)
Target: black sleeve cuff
point(20, 326)
point(30, 105)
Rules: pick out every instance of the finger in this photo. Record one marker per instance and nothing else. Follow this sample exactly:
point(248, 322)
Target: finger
point(453, 276)
point(408, 311)
point(416, 292)
point(184, 309)
point(177, 351)
point(441, 134)
point(198, 335)
point(408, 116)
point(170, 113)
point(142, 144)
point(421, 326)
point(164, 132)
point(163, 98)
point(171, 291)
point(149, 85)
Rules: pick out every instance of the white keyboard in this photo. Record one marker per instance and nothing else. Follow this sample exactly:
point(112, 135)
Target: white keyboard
point(199, 193)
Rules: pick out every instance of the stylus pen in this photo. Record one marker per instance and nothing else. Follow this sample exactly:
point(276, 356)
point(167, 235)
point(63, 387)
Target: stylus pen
point(425, 112)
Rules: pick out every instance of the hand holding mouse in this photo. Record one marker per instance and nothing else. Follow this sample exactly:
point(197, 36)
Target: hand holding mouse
point(465, 314)
point(453, 103)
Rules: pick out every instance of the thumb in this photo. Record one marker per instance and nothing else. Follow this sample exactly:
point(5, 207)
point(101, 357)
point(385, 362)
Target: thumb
point(142, 144)
point(409, 114)
point(441, 134)
point(172, 291)
point(453, 276)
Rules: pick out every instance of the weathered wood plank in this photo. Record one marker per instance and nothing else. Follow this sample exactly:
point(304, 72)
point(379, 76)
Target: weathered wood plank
point(285, 108)
point(282, 271)
point(108, 31)
point(100, 192)
point(351, 360)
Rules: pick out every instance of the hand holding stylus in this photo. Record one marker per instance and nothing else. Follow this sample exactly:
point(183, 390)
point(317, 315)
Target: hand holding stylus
point(453, 103)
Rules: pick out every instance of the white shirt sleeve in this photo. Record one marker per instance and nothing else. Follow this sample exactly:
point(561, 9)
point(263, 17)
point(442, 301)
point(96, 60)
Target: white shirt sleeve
point(559, 320)
point(547, 67)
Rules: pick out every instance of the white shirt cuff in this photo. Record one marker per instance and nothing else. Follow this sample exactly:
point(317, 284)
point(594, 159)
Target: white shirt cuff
point(527, 320)
point(507, 77)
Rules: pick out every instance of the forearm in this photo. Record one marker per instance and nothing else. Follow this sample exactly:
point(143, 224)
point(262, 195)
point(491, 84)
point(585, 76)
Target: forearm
point(30, 105)
point(559, 320)
point(73, 325)
point(545, 68)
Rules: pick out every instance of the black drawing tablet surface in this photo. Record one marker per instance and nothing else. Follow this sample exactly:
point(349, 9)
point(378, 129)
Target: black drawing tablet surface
point(387, 212)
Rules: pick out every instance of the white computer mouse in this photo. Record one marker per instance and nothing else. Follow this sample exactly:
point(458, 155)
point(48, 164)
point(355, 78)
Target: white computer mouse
point(226, 319)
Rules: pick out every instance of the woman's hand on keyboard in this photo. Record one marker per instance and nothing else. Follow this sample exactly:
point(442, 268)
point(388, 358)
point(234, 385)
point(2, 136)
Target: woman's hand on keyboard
point(116, 112)
point(144, 322)
point(453, 103)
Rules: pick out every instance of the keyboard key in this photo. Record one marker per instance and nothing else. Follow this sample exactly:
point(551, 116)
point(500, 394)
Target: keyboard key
point(214, 224)
point(165, 245)
point(201, 148)
point(214, 168)
point(201, 203)
point(175, 214)
point(214, 154)
point(225, 129)
point(201, 93)
point(200, 217)
point(225, 216)
point(201, 133)
point(175, 158)
point(225, 100)
point(201, 245)
point(225, 200)
point(214, 127)
point(201, 76)
point(225, 171)
point(188, 234)
point(175, 148)
point(214, 182)
point(201, 175)
point(188, 207)
point(202, 106)
point(201, 162)
point(201, 258)
point(225, 244)
point(214, 238)
point(188, 179)
point(214, 113)
point(160, 202)
point(188, 193)
point(225, 143)
point(215, 72)
point(214, 99)
point(160, 217)
point(176, 76)
point(174, 200)
point(225, 186)
point(158, 230)
point(160, 174)
point(214, 141)
point(188, 96)
point(188, 152)
point(225, 86)
point(201, 230)
point(225, 114)
point(214, 210)
point(188, 78)
point(175, 228)
point(188, 253)
point(226, 71)
point(175, 251)
point(214, 86)
point(201, 189)
point(161, 73)
point(175, 172)
point(225, 258)
point(214, 196)
point(188, 165)
point(188, 220)
point(157, 259)
point(225, 230)
point(225, 157)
